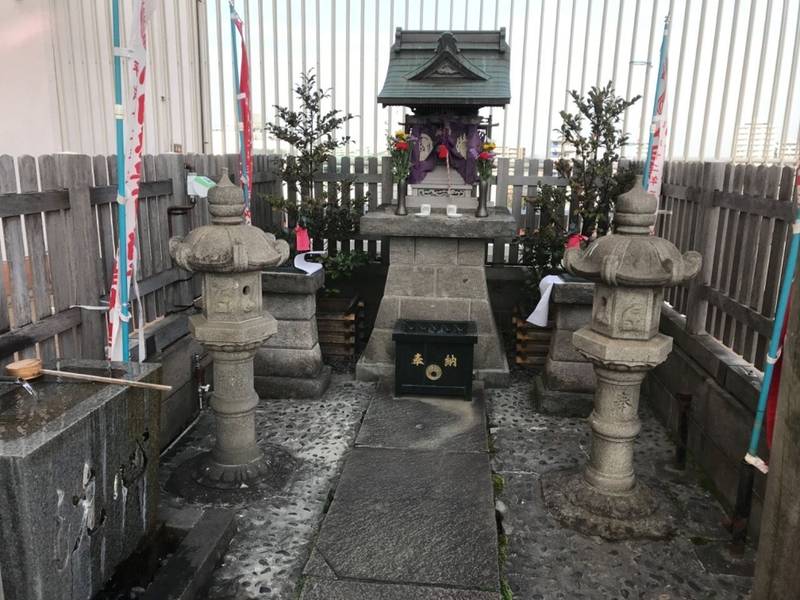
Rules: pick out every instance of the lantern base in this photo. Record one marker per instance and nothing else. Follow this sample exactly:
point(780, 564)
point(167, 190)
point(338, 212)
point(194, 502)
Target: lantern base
point(644, 512)
point(202, 479)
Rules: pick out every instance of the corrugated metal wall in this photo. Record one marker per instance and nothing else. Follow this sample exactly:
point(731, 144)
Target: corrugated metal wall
point(62, 72)
point(733, 89)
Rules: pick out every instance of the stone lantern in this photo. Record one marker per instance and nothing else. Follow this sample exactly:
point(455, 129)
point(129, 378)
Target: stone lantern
point(631, 268)
point(232, 326)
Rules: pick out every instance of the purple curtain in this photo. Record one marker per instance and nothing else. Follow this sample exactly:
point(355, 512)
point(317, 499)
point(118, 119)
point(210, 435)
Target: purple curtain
point(445, 135)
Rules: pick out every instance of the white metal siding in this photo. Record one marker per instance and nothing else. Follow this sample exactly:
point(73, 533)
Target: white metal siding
point(59, 68)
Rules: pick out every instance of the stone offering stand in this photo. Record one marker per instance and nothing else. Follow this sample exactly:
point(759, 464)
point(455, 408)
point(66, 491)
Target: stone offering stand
point(436, 272)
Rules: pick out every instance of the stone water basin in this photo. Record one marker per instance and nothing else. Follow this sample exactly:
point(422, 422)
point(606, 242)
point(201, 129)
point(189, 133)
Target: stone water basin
point(78, 479)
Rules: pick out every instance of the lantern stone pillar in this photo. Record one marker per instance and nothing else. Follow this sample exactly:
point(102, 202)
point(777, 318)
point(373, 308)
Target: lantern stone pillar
point(232, 326)
point(631, 268)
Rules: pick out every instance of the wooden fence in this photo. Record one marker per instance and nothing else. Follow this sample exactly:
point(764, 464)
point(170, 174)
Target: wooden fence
point(59, 225)
point(739, 218)
point(59, 235)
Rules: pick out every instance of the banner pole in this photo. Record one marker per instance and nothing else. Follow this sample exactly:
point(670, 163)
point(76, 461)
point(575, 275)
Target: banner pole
point(119, 117)
point(239, 122)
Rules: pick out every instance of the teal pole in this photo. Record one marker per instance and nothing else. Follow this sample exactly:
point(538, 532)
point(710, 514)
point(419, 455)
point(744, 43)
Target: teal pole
point(119, 116)
point(777, 327)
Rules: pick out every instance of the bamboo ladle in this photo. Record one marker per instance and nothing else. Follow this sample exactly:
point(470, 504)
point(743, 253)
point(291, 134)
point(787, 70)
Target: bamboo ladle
point(31, 368)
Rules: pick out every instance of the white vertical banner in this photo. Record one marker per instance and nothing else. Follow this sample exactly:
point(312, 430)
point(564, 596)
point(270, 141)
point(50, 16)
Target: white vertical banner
point(657, 146)
point(135, 67)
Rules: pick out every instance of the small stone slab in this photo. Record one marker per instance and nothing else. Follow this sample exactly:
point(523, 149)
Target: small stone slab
point(418, 423)
point(411, 517)
point(383, 222)
point(187, 572)
point(561, 404)
point(322, 589)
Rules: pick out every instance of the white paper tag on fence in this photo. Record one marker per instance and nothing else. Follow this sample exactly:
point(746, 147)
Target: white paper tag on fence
point(198, 185)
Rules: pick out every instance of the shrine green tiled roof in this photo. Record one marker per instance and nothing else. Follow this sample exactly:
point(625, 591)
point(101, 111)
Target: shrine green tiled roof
point(448, 68)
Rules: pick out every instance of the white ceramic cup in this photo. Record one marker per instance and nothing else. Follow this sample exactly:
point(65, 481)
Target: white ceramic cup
point(452, 210)
point(425, 209)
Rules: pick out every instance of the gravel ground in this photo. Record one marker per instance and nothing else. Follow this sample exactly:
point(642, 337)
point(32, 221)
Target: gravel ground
point(267, 555)
point(547, 561)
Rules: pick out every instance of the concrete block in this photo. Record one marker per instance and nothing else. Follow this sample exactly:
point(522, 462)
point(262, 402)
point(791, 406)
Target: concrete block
point(282, 281)
point(471, 253)
point(380, 348)
point(568, 376)
point(290, 306)
point(288, 362)
point(488, 352)
point(433, 308)
point(401, 251)
point(481, 312)
point(744, 382)
point(561, 347)
point(435, 251)
point(572, 316)
point(461, 282)
point(407, 280)
point(294, 334)
point(388, 312)
point(573, 292)
point(177, 411)
point(371, 371)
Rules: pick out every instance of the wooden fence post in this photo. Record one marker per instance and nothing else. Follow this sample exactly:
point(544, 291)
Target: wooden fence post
point(705, 239)
point(75, 174)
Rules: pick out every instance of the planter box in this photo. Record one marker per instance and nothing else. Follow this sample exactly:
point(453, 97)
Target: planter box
point(531, 343)
point(340, 322)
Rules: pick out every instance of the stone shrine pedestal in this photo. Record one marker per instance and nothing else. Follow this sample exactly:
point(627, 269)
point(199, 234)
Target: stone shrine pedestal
point(436, 272)
point(289, 364)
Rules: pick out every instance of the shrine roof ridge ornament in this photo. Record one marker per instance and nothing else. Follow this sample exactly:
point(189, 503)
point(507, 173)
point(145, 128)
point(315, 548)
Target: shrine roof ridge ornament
point(430, 68)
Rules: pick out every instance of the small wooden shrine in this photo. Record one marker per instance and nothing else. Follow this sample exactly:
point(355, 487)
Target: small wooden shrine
point(436, 279)
point(445, 77)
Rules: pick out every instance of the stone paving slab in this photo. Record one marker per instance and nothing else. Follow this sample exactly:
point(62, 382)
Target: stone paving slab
point(321, 589)
point(275, 533)
point(413, 518)
point(419, 423)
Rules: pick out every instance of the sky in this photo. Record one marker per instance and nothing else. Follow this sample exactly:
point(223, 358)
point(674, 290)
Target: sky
point(555, 45)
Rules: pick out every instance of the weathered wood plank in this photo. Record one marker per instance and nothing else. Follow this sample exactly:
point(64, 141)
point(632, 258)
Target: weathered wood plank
point(372, 167)
point(20, 301)
point(358, 188)
point(75, 173)
point(516, 210)
point(501, 200)
point(6, 167)
point(755, 182)
point(32, 202)
point(741, 313)
point(37, 255)
point(105, 219)
point(107, 194)
point(47, 328)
